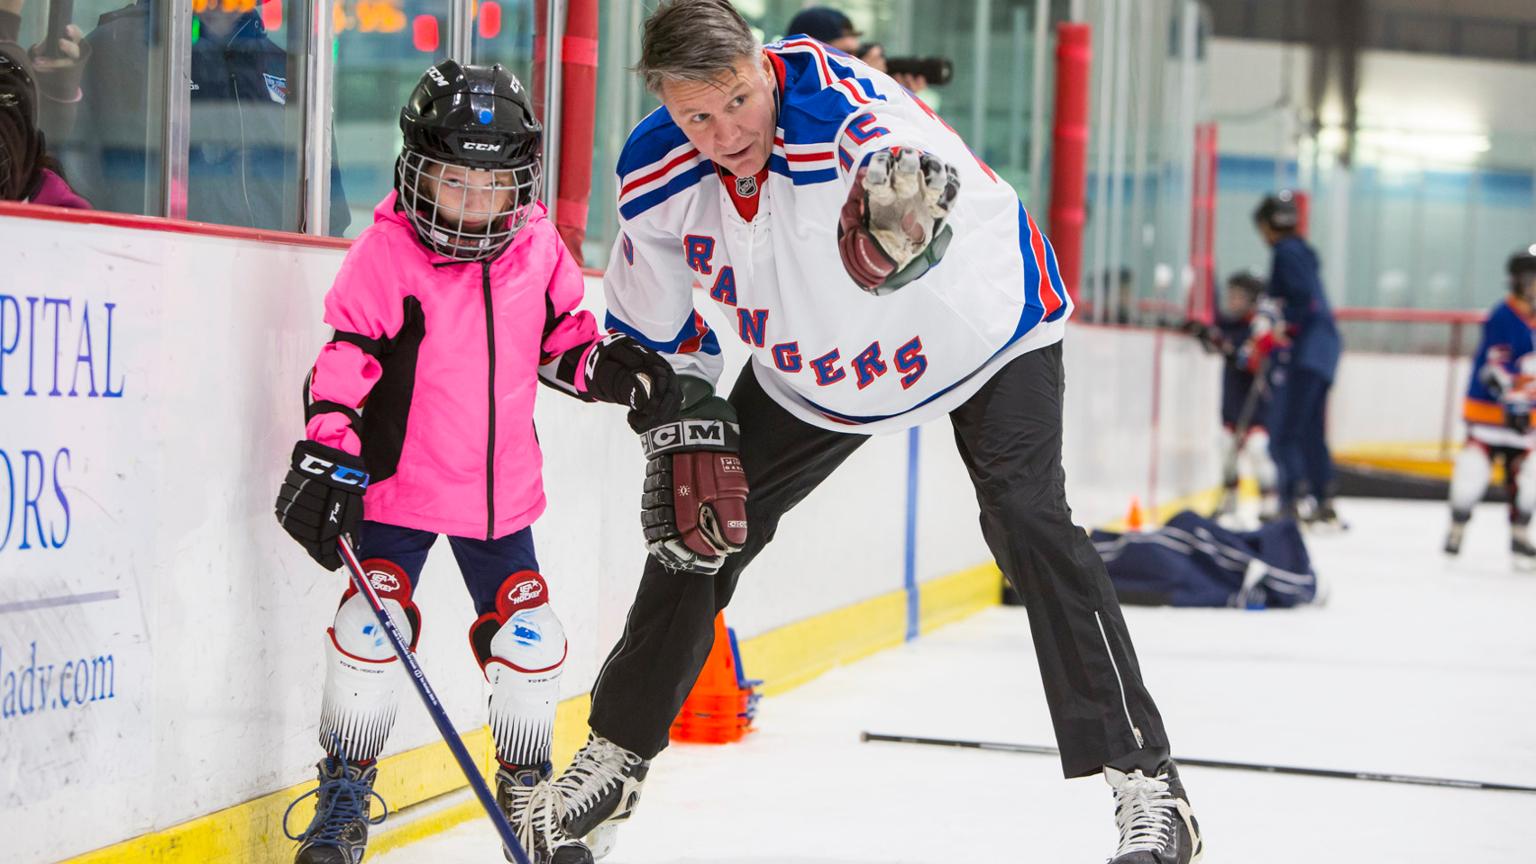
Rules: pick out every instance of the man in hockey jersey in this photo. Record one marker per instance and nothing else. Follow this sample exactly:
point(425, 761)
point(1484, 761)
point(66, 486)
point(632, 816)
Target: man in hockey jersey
point(1306, 348)
point(1498, 414)
point(1242, 407)
point(881, 275)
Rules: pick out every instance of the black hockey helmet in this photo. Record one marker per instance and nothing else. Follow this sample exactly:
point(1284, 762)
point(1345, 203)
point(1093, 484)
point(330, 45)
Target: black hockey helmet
point(1522, 272)
point(21, 145)
point(470, 129)
point(1279, 211)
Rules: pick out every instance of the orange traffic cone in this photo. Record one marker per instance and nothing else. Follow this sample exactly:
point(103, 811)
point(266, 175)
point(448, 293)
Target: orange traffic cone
point(723, 702)
point(1133, 516)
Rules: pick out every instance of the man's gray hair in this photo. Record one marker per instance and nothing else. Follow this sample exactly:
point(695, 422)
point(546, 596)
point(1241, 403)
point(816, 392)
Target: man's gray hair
point(693, 40)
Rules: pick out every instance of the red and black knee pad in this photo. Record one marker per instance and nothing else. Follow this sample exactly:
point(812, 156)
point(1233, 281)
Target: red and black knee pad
point(390, 582)
point(521, 592)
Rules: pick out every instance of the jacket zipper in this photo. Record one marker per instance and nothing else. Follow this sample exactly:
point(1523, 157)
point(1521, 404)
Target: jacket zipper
point(490, 440)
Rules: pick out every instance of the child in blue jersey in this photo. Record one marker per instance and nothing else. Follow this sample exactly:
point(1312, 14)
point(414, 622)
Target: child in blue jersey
point(1498, 414)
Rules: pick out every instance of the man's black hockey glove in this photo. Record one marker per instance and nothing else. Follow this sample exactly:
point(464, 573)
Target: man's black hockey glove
point(694, 508)
point(321, 499)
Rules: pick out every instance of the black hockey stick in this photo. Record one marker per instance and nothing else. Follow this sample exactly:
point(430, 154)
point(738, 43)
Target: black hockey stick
point(1370, 776)
point(434, 706)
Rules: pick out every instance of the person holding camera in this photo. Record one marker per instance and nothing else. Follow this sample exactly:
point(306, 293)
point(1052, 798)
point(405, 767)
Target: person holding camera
point(1498, 414)
point(833, 28)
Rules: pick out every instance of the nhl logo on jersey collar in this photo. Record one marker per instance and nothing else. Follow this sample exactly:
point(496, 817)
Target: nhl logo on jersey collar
point(746, 187)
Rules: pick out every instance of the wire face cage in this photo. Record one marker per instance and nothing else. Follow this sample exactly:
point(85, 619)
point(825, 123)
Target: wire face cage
point(462, 213)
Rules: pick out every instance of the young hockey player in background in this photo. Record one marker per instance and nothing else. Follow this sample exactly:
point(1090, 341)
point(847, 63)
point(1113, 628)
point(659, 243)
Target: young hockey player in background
point(1498, 414)
point(448, 310)
point(1246, 443)
point(1306, 348)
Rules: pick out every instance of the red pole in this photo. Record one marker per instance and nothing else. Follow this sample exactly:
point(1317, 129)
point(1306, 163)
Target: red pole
point(1069, 151)
point(1202, 253)
point(1303, 211)
point(579, 111)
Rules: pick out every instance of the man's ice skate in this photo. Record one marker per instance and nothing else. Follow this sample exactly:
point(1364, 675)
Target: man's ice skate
point(343, 803)
point(600, 789)
point(533, 809)
point(1155, 821)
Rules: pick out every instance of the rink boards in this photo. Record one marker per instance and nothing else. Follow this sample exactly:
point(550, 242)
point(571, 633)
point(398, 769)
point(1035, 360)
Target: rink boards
point(160, 638)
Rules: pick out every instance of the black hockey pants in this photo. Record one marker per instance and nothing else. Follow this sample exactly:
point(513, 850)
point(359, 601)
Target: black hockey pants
point(1009, 434)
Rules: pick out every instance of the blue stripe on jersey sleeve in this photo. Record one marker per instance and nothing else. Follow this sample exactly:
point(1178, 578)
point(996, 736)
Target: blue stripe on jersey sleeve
point(708, 345)
point(1034, 307)
point(1053, 271)
point(651, 140)
point(812, 113)
point(686, 180)
point(779, 165)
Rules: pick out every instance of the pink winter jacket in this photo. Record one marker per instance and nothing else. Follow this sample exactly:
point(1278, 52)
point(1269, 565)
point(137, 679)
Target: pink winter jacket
point(431, 374)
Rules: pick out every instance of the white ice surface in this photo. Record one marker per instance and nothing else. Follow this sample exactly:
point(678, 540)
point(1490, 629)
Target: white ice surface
point(1416, 665)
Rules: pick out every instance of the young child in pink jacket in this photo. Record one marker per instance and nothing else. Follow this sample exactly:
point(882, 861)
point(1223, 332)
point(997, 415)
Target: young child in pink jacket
point(448, 311)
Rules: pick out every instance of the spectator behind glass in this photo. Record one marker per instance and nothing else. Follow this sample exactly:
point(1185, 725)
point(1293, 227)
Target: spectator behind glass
point(56, 73)
point(241, 169)
point(27, 172)
point(829, 26)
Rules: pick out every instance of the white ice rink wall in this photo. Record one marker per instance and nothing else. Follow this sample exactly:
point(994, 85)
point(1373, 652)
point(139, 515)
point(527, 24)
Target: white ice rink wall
point(160, 637)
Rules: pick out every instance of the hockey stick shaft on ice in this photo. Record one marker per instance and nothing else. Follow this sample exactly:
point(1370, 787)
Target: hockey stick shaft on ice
point(1245, 420)
point(1370, 776)
point(434, 705)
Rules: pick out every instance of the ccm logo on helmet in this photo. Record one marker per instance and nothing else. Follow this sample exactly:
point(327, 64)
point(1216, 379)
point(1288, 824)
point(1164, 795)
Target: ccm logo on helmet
point(437, 77)
point(522, 592)
point(482, 146)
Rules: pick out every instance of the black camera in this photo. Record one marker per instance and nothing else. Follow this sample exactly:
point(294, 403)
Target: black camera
point(937, 70)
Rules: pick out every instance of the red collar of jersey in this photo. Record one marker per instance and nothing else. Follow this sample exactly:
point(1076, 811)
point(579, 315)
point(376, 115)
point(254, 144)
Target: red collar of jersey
point(745, 192)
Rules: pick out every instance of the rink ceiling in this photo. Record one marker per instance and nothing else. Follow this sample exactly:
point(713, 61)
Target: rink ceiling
point(157, 509)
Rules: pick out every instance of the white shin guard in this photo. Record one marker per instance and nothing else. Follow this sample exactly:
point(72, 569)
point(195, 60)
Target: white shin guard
point(1525, 487)
point(1260, 463)
point(1469, 478)
point(362, 673)
point(521, 646)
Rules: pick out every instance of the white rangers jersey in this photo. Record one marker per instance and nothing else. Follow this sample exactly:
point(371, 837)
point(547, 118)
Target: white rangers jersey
point(831, 354)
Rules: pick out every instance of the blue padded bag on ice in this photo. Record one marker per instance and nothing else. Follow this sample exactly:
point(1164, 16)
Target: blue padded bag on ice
point(1192, 561)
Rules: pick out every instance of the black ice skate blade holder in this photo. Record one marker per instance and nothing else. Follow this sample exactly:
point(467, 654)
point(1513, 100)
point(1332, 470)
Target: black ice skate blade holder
point(1368, 776)
point(434, 705)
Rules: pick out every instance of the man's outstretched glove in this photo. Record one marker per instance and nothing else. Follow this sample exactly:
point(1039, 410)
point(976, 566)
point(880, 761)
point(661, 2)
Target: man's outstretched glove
point(892, 227)
point(321, 499)
point(622, 371)
point(694, 508)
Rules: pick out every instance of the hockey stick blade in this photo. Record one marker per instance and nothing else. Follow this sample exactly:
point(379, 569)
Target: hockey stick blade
point(434, 705)
point(1369, 776)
